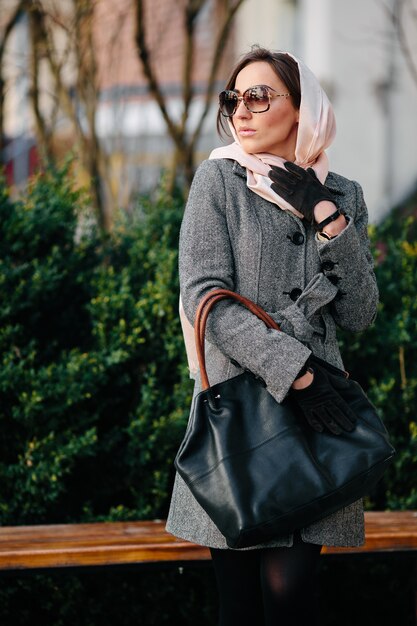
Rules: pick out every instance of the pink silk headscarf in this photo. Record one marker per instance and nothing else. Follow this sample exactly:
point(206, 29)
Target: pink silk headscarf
point(316, 131)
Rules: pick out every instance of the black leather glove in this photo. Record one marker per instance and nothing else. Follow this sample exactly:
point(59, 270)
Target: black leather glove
point(321, 404)
point(299, 187)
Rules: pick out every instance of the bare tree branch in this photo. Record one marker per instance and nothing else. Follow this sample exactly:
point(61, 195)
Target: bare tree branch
point(190, 14)
point(184, 144)
point(154, 86)
point(55, 67)
point(219, 48)
point(11, 23)
point(92, 155)
point(36, 39)
point(402, 37)
point(396, 14)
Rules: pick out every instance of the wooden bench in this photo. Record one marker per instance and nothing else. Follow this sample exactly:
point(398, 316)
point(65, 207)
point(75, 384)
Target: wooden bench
point(30, 548)
point(116, 543)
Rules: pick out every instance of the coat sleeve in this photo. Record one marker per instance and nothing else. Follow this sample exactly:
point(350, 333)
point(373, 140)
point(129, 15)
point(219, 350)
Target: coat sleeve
point(206, 263)
point(347, 262)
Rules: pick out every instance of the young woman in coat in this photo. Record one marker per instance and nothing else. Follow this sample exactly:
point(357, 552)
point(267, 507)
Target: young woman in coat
point(266, 218)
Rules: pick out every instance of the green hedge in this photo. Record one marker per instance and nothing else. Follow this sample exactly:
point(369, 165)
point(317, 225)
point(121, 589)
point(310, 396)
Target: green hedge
point(94, 397)
point(93, 384)
point(384, 358)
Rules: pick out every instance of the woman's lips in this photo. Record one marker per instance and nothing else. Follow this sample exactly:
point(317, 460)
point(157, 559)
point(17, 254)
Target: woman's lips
point(246, 132)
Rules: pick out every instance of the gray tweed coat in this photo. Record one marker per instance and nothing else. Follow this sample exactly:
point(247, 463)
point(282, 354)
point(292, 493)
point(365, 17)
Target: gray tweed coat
point(234, 239)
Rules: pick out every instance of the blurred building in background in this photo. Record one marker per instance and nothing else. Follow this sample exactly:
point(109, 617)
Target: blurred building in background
point(361, 58)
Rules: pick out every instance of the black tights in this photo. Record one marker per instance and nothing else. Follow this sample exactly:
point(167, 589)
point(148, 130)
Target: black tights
point(267, 586)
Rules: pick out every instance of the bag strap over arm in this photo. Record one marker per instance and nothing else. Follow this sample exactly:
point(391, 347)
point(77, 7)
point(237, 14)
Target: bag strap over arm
point(203, 310)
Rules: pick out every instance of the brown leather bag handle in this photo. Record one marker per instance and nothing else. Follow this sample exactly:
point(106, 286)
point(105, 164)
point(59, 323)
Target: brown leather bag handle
point(203, 310)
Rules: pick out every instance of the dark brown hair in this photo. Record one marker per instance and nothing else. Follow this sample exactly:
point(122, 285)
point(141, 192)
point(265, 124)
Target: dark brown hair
point(284, 66)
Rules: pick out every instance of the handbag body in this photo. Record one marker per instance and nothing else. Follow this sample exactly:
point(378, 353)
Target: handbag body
point(256, 466)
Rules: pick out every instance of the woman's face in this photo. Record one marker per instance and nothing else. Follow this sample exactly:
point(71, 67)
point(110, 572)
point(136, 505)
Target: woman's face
point(274, 131)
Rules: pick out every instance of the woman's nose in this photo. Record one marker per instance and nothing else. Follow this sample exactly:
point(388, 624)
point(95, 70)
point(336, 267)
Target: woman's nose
point(242, 111)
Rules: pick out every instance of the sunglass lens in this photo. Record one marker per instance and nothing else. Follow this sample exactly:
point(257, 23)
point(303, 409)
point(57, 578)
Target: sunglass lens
point(228, 103)
point(256, 99)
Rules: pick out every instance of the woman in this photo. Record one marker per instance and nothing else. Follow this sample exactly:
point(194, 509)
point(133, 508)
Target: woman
point(266, 219)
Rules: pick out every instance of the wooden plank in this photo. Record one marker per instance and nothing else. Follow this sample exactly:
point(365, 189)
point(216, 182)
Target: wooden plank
point(103, 543)
point(111, 543)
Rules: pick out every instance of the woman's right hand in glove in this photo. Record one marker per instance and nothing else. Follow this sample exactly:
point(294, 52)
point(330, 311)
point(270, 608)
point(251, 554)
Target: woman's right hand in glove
point(321, 404)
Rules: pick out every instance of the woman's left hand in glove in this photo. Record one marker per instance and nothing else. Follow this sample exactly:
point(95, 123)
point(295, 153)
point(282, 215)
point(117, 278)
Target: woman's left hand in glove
point(299, 187)
point(321, 404)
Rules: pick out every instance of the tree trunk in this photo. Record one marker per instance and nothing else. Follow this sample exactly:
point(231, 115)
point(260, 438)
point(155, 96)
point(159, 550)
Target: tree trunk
point(43, 134)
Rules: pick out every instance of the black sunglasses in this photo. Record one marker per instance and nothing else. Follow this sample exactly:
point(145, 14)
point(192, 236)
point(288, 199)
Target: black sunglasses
point(257, 99)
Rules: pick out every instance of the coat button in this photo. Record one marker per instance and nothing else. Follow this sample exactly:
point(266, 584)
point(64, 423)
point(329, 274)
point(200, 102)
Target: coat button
point(327, 266)
point(295, 293)
point(297, 238)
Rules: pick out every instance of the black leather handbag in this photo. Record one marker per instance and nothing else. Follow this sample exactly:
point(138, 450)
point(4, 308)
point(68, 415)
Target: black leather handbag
point(256, 468)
